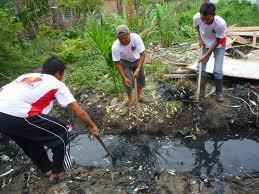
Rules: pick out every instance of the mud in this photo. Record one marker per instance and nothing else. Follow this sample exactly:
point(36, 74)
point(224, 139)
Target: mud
point(169, 110)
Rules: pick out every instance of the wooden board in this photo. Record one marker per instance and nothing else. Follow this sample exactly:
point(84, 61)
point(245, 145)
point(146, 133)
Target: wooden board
point(243, 29)
point(235, 67)
point(240, 39)
point(243, 33)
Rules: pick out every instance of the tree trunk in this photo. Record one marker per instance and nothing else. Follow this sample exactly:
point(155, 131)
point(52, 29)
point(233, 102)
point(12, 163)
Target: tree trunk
point(56, 15)
point(17, 4)
point(119, 7)
point(130, 12)
point(137, 15)
point(143, 12)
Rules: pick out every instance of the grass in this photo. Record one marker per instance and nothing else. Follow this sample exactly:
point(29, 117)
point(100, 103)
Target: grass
point(239, 13)
point(156, 69)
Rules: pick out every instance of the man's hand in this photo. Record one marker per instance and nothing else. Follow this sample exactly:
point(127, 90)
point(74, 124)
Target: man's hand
point(202, 59)
point(127, 82)
point(95, 131)
point(136, 74)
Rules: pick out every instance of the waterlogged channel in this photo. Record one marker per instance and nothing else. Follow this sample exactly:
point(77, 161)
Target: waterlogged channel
point(223, 157)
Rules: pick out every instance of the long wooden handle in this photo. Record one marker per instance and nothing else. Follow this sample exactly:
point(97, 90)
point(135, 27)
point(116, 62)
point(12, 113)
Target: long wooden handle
point(136, 101)
point(199, 79)
point(104, 146)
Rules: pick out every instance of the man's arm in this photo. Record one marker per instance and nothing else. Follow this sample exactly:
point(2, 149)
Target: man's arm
point(84, 116)
point(212, 47)
point(140, 64)
point(123, 75)
point(201, 43)
point(141, 60)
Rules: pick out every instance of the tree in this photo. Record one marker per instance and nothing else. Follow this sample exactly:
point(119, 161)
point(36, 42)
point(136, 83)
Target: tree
point(119, 7)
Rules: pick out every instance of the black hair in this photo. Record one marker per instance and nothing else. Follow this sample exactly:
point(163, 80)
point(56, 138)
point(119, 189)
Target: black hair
point(208, 9)
point(53, 65)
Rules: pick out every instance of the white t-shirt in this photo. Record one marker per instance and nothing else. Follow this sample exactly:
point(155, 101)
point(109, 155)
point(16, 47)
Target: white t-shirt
point(209, 33)
point(131, 52)
point(33, 94)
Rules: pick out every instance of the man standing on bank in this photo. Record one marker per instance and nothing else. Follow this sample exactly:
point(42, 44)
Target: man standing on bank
point(128, 52)
point(24, 106)
point(211, 31)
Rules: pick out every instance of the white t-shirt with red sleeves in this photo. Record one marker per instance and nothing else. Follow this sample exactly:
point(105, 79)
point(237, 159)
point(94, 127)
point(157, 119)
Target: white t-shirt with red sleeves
point(209, 33)
point(33, 94)
point(131, 52)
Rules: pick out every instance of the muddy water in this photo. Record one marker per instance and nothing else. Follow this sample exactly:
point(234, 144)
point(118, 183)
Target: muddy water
point(205, 157)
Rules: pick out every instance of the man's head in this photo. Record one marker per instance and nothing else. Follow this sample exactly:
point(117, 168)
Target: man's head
point(207, 11)
point(54, 66)
point(123, 34)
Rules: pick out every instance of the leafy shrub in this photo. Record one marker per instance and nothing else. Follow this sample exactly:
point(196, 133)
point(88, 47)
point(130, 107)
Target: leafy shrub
point(240, 13)
point(10, 53)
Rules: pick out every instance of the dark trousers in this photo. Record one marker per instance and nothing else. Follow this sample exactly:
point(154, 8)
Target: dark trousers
point(129, 69)
point(32, 134)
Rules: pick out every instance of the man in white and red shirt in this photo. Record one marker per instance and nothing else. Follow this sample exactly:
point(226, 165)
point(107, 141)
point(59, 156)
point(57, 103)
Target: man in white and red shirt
point(212, 37)
point(128, 53)
point(25, 104)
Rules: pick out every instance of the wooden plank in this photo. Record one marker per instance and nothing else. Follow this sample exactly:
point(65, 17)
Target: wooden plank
point(240, 39)
point(179, 64)
point(230, 41)
point(180, 76)
point(242, 33)
point(186, 71)
point(254, 39)
point(243, 29)
point(241, 54)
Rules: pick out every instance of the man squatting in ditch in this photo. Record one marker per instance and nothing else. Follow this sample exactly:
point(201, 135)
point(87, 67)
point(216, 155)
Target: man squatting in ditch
point(211, 31)
point(128, 52)
point(25, 104)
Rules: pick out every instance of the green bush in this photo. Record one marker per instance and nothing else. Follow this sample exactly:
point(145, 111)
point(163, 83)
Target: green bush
point(10, 54)
point(240, 13)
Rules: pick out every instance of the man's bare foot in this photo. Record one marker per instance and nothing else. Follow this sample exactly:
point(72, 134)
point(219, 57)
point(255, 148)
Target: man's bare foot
point(130, 105)
point(55, 177)
point(141, 99)
point(48, 174)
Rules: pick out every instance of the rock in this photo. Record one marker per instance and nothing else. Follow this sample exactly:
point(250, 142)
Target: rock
point(5, 158)
point(114, 102)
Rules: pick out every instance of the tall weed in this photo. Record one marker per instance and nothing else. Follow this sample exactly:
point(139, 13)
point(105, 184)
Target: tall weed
point(104, 40)
point(240, 13)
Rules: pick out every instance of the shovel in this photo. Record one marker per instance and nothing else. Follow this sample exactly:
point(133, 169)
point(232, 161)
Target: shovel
point(137, 104)
point(199, 80)
point(104, 146)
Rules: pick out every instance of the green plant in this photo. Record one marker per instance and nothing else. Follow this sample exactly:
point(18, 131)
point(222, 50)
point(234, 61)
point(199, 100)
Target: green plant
point(10, 53)
point(79, 6)
point(103, 40)
point(30, 13)
point(157, 69)
point(167, 24)
point(247, 14)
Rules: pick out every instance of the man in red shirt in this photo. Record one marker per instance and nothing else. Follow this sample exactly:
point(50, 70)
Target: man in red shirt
point(25, 104)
